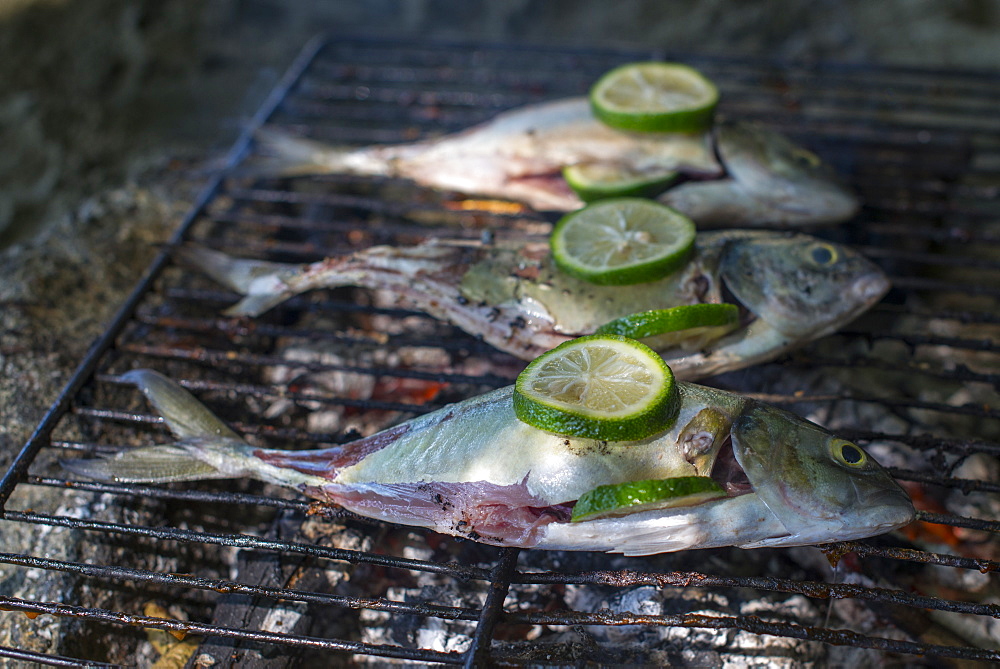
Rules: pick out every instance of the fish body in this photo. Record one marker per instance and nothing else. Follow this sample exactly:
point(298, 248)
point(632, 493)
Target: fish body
point(769, 179)
point(473, 469)
point(757, 176)
point(792, 288)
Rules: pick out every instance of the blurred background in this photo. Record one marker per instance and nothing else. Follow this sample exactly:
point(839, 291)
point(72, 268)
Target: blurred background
point(95, 94)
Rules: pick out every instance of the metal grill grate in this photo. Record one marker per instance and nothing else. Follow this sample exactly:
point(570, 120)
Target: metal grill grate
point(916, 379)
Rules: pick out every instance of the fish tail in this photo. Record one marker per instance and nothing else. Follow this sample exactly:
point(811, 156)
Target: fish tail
point(207, 449)
point(186, 417)
point(180, 461)
point(267, 284)
point(263, 284)
point(289, 155)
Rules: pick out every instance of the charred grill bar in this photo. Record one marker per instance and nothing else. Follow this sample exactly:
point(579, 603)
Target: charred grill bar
point(916, 379)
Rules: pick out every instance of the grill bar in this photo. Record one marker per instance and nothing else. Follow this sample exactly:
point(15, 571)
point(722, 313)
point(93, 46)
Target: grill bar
point(187, 627)
point(227, 587)
point(478, 653)
point(921, 147)
point(250, 542)
point(965, 485)
point(220, 357)
point(149, 492)
point(971, 410)
point(44, 659)
point(810, 589)
point(241, 499)
point(86, 368)
point(756, 625)
point(928, 442)
point(838, 550)
point(958, 521)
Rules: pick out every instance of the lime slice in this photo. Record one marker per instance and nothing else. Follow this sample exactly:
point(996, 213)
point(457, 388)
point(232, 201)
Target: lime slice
point(625, 498)
point(622, 241)
point(599, 181)
point(655, 97)
point(693, 324)
point(599, 387)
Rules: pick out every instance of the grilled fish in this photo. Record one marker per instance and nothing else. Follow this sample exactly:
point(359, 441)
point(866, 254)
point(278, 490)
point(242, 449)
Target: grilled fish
point(472, 469)
point(740, 174)
point(792, 288)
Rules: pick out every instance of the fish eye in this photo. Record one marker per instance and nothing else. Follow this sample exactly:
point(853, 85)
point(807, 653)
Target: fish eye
point(848, 454)
point(823, 255)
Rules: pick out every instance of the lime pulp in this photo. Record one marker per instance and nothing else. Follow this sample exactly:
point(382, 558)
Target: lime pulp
point(599, 387)
point(622, 241)
point(655, 97)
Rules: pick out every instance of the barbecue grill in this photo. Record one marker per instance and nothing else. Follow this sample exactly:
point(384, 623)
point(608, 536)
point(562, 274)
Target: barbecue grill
point(244, 574)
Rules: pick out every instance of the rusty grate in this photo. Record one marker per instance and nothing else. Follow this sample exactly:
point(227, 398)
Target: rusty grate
point(266, 578)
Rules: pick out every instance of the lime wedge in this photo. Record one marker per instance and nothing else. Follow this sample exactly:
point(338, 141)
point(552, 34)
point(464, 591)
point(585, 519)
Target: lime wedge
point(693, 324)
point(599, 181)
point(622, 241)
point(625, 498)
point(655, 97)
point(599, 387)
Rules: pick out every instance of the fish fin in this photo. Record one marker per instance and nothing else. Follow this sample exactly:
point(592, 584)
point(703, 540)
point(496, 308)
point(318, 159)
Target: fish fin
point(291, 155)
point(151, 464)
point(636, 534)
point(783, 540)
point(207, 448)
point(675, 533)
point(653, 543)
point(255, 305)
point(260, 282)
point(237, 274)
point(186, 417)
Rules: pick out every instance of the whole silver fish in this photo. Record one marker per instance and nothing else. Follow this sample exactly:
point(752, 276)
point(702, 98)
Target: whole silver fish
point(740, 174)
point(792, 288)
point(472, 469)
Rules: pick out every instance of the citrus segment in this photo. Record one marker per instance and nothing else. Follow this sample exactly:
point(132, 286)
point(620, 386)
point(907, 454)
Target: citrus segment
point(626, 498)
point(599, 181)
point(599, 387)
point(655, 97)
point(622, 241)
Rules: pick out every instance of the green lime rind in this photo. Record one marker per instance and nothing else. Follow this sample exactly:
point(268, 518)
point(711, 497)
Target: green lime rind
point(685, 317)
point(687, 99)
point(592, 182)
point(634, 496)
point(590, 243)
point(540, 391)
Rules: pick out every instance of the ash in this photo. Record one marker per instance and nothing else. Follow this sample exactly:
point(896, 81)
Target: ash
point(635, 645)
point(418, 587)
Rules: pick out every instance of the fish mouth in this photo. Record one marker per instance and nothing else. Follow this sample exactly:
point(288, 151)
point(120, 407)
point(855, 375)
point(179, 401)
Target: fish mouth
point(728, 472)
point(887, 509)
point(871, 287)
point(746, 316)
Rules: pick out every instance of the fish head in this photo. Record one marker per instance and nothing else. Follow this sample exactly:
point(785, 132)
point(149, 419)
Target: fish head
point(821, 487)
point(793, 180)
point(802, 286)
